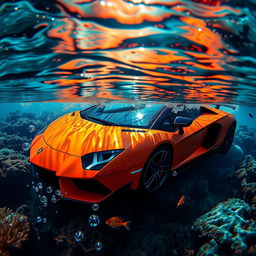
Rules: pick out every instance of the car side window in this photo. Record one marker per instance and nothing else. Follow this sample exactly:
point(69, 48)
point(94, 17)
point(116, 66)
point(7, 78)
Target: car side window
point(167, 125)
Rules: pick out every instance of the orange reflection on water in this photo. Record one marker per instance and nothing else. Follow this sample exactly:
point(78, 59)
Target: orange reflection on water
point(63, 32)
point(122, 11)
point(76, 35)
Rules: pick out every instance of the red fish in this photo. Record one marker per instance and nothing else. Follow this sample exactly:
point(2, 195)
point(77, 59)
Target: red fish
point(116, 222)
point(181, 201)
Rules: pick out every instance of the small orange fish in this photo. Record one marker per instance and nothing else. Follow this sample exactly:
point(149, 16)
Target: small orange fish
point(116, 222)
point(181, 201)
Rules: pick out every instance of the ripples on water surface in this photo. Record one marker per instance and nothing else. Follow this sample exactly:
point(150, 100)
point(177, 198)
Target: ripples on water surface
point(137, 49)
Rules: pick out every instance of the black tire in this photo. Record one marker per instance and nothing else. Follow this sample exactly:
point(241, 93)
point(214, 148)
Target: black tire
point(156, 169)
point(228, 141)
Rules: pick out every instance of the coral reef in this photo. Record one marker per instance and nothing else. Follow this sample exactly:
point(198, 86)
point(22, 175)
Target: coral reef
point(74, 240)
point(165, 239)
point(228, 229)
point(246, 139)
point(14, 230)
point(246, 174)
point(18, 123)
point(11, 141)
point(10, 161)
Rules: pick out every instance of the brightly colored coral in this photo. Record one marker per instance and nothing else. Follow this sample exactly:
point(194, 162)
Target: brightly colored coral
point(14, 230)
point(228, 229)
point(10, 161)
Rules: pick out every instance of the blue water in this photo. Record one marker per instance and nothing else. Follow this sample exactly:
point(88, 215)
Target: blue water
point(65, 55)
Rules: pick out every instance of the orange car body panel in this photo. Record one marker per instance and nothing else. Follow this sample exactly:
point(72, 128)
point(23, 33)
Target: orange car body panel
point(69, 137)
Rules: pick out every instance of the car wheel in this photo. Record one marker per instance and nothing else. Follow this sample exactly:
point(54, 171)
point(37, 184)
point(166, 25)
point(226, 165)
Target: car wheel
point(156, 169)
point(228, 141)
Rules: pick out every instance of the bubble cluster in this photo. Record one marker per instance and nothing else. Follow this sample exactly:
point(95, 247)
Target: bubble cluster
point(94, 220)
point(79, 236)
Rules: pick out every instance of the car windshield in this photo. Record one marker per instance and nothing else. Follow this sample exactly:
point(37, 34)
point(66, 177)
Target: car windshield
point(135, 115)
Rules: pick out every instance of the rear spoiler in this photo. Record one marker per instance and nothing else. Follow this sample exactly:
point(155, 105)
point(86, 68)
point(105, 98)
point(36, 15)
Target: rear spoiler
point(226, 105)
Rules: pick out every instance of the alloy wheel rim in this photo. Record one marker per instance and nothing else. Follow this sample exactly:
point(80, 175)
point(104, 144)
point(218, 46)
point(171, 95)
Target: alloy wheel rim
point(157, 170)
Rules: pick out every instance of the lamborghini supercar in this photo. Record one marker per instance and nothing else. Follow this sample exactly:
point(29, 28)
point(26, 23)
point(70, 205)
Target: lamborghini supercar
point(90, 154)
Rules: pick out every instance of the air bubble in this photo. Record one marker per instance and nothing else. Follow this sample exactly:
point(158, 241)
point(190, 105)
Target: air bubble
point(57, 193)
point(95, 207)
point(40, 185)
point(54, 199)
point(49, 190)
point(98, 246)
point(38, 219)
point(31, 128)
point(25, 146)
point(43, 199)
point(94, 220)
point(79, 236)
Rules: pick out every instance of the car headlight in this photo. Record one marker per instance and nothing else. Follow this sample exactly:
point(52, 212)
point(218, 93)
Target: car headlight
point(97, 160)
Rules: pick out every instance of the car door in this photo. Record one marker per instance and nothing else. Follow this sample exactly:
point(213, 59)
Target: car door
point(188, 145)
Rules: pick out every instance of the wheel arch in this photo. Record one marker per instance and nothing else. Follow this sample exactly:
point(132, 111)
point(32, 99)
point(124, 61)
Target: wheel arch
point(135, 184)
point(166, 144)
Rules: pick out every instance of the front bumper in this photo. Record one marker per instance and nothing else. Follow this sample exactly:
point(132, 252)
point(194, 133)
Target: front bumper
point(65, 172)
point(88, 190)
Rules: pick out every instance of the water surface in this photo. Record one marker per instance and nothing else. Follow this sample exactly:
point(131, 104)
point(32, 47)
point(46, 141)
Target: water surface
point(180, 50)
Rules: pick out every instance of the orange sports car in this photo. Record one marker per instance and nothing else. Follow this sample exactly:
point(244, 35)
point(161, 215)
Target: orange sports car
point(90, 154)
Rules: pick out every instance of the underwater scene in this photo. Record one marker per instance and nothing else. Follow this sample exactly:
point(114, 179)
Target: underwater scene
point(128, 128)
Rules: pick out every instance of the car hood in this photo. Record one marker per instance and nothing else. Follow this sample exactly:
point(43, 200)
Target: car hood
point(76, 136)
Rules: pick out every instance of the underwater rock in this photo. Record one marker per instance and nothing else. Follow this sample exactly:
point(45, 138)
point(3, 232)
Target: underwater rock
point(228, 229)
point(11, 161)
point(246, 174)
point(14, 230)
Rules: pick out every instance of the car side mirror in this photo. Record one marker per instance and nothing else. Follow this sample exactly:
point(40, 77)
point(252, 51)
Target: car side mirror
point(182, 121)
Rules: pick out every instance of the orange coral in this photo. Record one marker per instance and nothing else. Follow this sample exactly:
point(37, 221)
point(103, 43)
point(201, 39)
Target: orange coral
point(14, 230)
